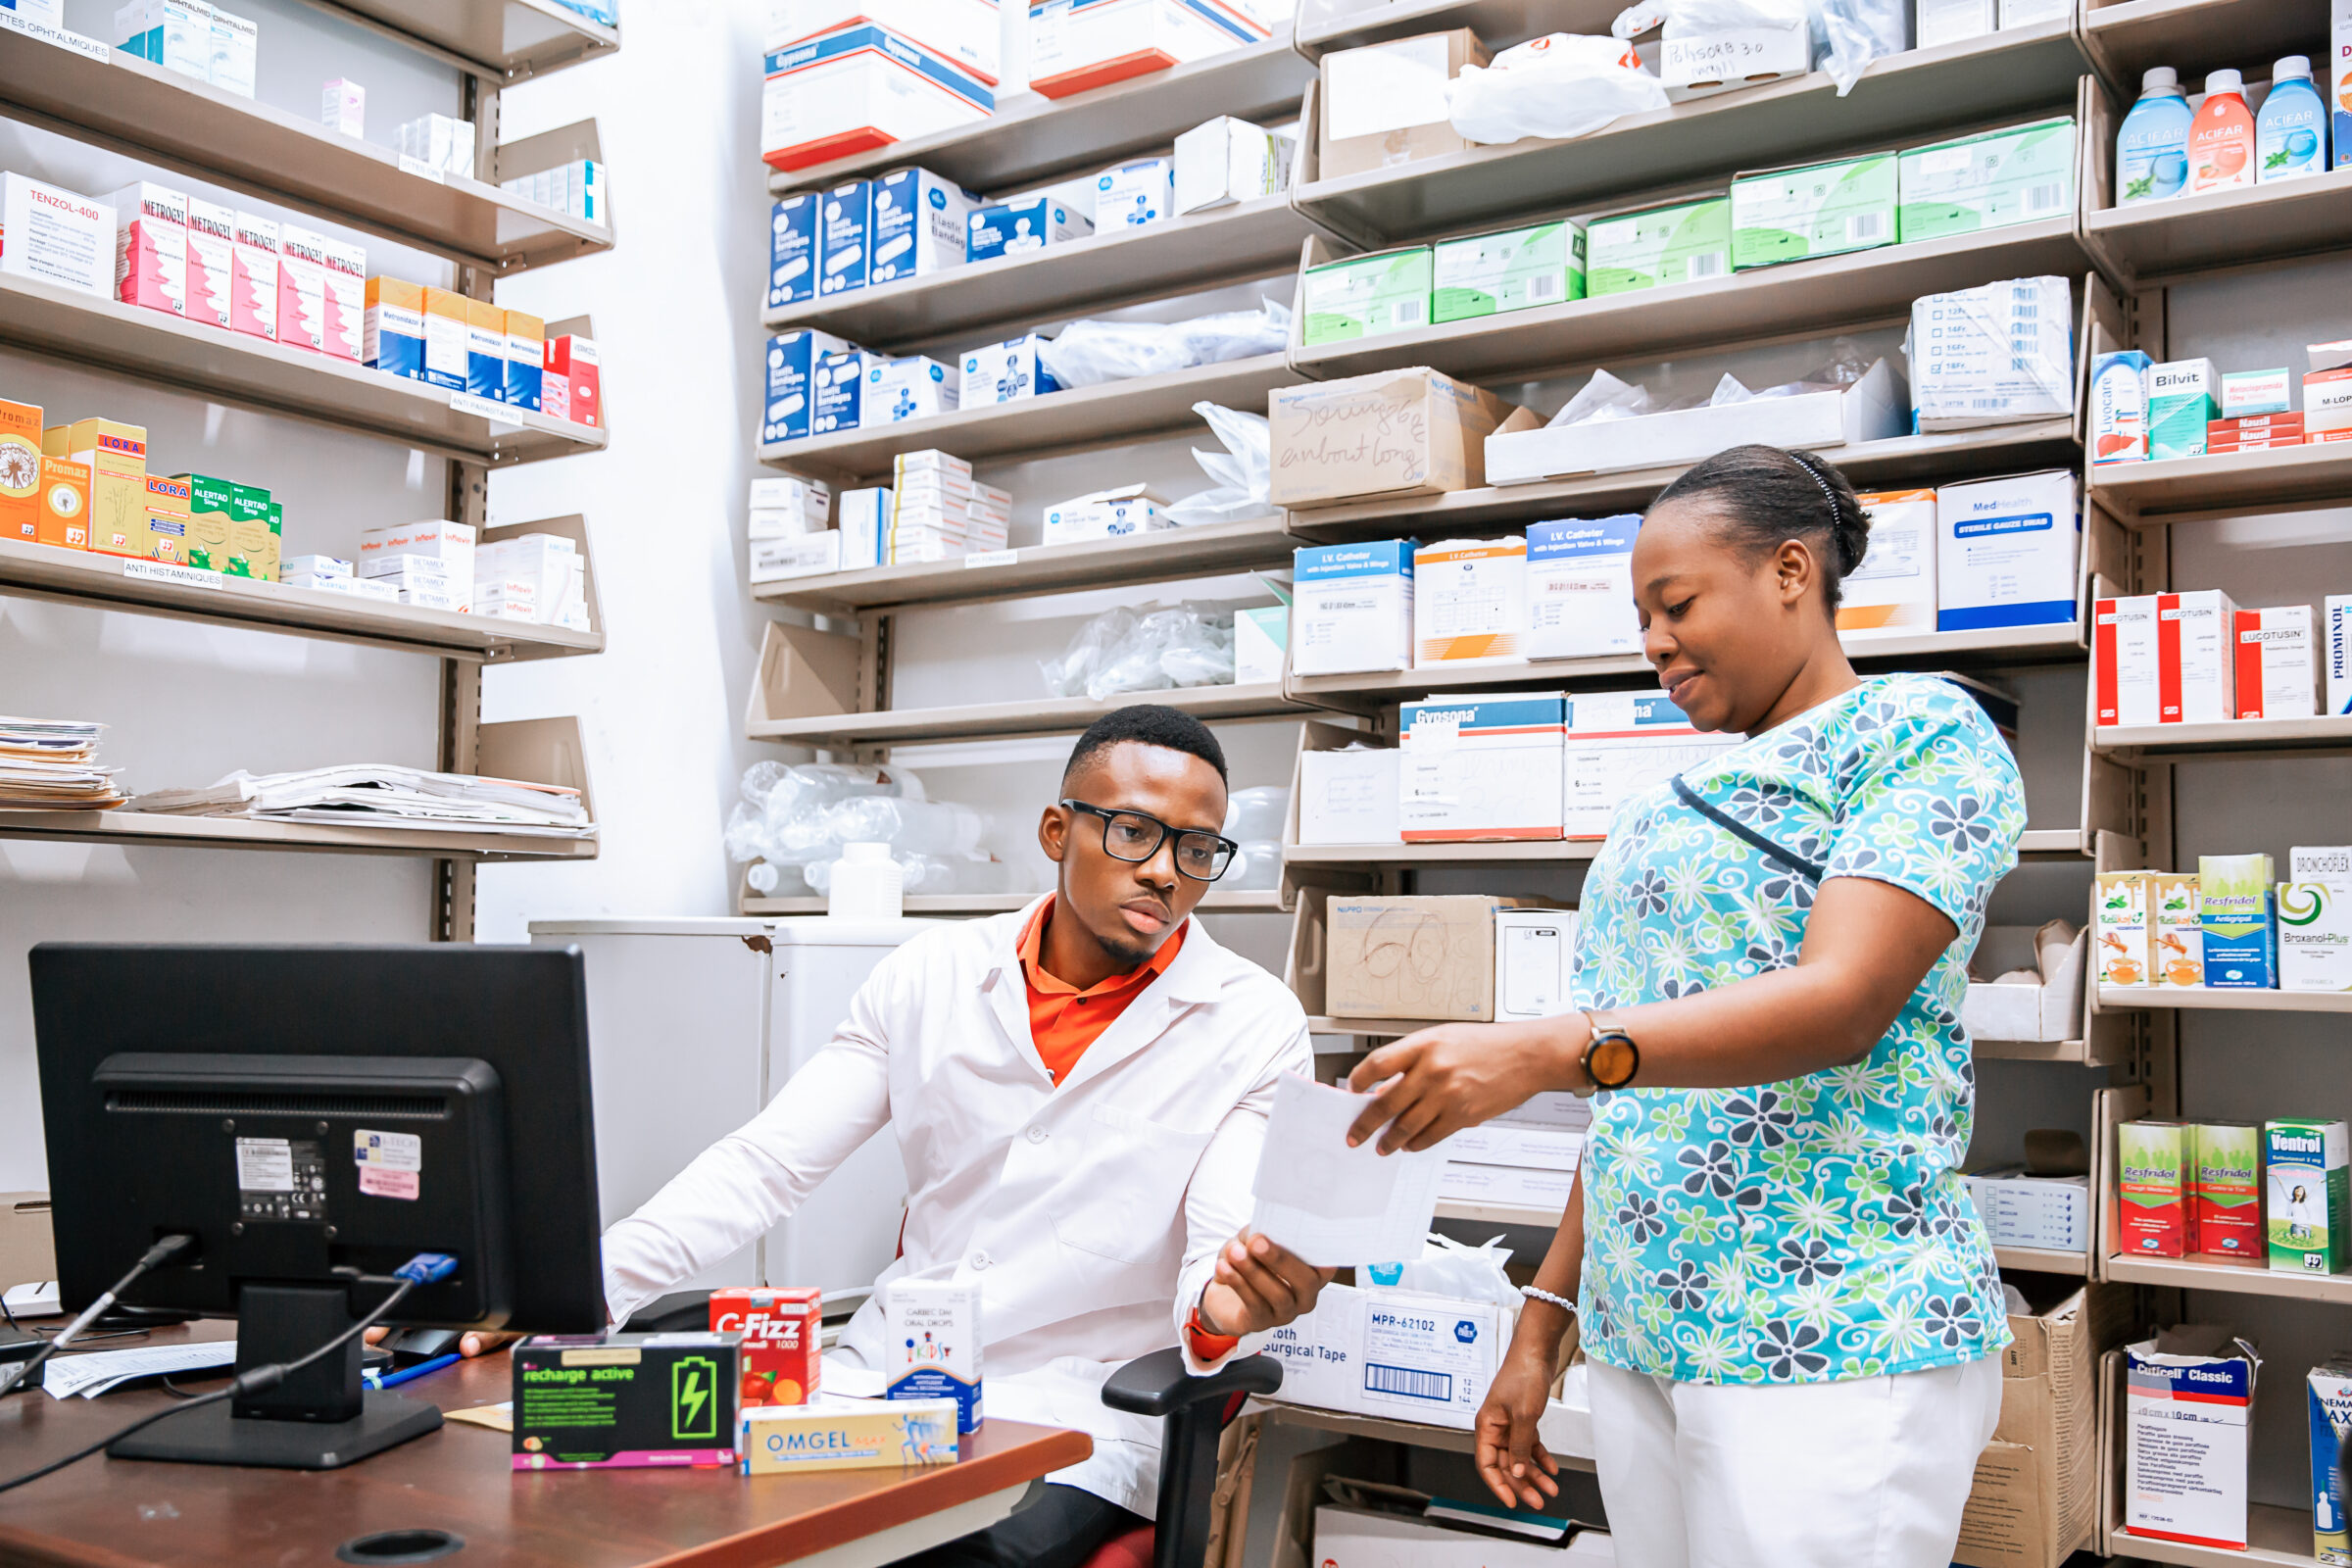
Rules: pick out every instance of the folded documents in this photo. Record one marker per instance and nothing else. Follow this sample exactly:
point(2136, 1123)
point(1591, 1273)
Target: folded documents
point(94, 1372)
point(378, 795)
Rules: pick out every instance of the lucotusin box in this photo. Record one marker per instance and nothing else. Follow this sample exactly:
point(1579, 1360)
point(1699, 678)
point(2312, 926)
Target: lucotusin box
point(624, 1401)
point(302, 288)
point(115, 455)
point(2305, 1181)
point(932, 1343)
point(445, 338)
point(253, 277)
point(393, 340)
point(2278, 672)
point(151, 247)
point(2123, 660)
point(2152, 1176)
point(211, 263)
point(2225, 1192)
point(2196, 667)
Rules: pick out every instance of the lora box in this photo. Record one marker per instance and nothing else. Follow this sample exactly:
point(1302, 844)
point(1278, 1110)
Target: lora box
point(847, 1435)
point(617, 1401)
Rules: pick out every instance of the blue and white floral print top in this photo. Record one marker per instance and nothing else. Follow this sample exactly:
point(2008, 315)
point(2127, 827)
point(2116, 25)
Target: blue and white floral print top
point(1815, 1229)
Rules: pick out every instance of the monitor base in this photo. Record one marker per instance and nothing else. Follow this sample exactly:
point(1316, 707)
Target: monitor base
point(210, 1435)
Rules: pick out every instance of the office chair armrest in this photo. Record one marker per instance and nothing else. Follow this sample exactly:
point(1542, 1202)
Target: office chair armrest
point(1160, 1385)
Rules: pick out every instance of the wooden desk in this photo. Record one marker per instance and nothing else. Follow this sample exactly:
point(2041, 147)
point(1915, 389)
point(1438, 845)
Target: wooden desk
point(116, 1513)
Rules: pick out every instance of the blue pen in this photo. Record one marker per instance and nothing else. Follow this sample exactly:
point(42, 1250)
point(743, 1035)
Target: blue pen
point(393, 1379)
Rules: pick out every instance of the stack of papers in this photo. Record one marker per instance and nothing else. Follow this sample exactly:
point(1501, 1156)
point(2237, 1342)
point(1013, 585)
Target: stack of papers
point(51, 764)
point(95, 1372)
point(377, 795)
point(1331, 1205)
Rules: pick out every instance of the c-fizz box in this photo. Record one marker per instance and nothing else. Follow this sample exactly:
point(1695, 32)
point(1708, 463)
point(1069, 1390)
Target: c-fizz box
point(931, 1340)
point(782, 1359)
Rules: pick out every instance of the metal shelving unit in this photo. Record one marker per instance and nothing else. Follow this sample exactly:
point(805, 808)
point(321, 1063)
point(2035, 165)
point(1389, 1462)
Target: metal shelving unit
point(2246, 737)
point(1252, 901)
point(2190, 490)
point(2201, 999)
point(500, 41)
point(2125, 37)
point(1047, 715)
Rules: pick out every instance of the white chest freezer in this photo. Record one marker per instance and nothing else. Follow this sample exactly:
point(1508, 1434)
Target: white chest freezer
point(693, 1025)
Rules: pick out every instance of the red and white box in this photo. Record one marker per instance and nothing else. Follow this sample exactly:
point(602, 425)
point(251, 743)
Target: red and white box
point(2278, 663)
point(781, 1329)
point(2123, 660)
point(2196, 677)
point(345, 300)
point(571, 386)
point(449, 544)
point(1076, 46)
point(57, 236)
point(2254, 432)
point(151, 247)
point(211, 263)
point(253, 287)
point(302, 288)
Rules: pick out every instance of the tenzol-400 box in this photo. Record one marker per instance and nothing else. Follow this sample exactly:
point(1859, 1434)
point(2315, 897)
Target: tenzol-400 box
point(614, 1402)
point(1482, 767)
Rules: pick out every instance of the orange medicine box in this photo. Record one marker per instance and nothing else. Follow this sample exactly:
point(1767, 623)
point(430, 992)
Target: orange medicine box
point(19, 470)
point(65, 520)
point(115, 455)
point(780, 1329)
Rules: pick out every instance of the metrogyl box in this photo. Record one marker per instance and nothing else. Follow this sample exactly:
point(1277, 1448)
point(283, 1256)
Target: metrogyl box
point(1133, 194)
point(1788, 214)
point(1580, 588)
point(2152, 1166)
point(1366, 296)
point(846, 1435)
point(2123, 657)
point(2196, 663)
point(392, 337)
point(2304, 1179)
point(1477, 768)
point(2006, 552)
point(56, 236)
point(2240, 925)
point(1024, 224)
point(837, 381)
point(1470, 603)
point(792, 249)
point(2186, 1430)
point(2180, 406)
point(2118, 406)
point(1992, 354)
point(1005, 370)
point(2276, 672)
point(211, 263)
point(932, 1339)
point(1620, 744)
point(151, 247)
point(792, 361)
point(302, 289)
point(782, 1360)
point(253, 279)
point(2329, 1390)
point(843, 233)
point(2225, 1192)
point(345, 301)
point(1891, 592)
point(1515, 269)
point(1353, 608)
point(1688, 242)
point(624, 1401)
point(2125, 931)
point(1989, 181)
point(859, 88)
point(917, 224)
point(2315, 936)
point(445, 351)
point(913, 389)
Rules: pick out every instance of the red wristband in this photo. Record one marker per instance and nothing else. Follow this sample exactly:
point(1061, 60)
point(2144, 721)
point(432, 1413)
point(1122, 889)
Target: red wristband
point(1207, 1347)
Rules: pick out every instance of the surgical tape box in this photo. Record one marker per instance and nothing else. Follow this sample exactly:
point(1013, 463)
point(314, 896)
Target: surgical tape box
point(1353, 608)
point(624, 1401)
point(790, 381)
point(1620, 744)
point(1482, 767)
point(917, 224)
point(1391, 1353)
point(2006, 552)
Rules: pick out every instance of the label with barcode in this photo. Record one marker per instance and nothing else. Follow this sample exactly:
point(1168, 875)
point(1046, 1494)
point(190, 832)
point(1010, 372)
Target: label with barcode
point(420, 168)
point(168, 572)
point(1410, 1382)
point(992, 558)
point(1865, 228)
point(2046, 198)
point(495, 412)
point(1544, 286)
point(1706, 264)
point(1405, 312)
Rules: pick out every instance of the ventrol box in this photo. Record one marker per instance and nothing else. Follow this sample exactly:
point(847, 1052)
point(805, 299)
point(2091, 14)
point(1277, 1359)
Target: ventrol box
point(931, 1340)
point(2304, 1182)
point(615, 1401)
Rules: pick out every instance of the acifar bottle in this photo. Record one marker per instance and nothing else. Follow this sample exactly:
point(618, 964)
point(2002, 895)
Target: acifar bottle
point(2151, 152)
point(2221, 139)
point(2290, 134)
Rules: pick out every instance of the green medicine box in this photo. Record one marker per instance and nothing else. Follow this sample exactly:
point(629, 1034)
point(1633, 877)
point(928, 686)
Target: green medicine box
point(1516, 270)
point(1688, 242)
point(1367, 296)
point(1792, 215)
point(1988, 181)
point(2178, 424)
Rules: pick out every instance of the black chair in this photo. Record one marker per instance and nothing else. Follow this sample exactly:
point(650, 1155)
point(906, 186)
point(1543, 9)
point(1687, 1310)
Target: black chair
point(1194, 1412)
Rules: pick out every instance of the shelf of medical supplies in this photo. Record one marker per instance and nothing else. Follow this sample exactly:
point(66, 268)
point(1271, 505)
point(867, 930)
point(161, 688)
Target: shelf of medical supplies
point(2225, 227)
point(2073, 1050)
point(1911, 459)
point(1068, 420)
point(1369, 1028)
point(2324, 733)
point(1040, 715)
point(1497, 22)
point(506, 40)
point(1411, 856)
point(1542, 1219)
point(1033, 139)
point(1254, 901)
point(2183, 1274)
point(81, 576)
point(64, 324)
point(2228, 484)
point(1648, 325)
point(177, 120)
point(2275, 1537)
point(2223, 999)
point(1011, 293)
point(2193, 35)
point(1914, 96)
point(1154, 556)
point(243, 833)
point(2042, 1260)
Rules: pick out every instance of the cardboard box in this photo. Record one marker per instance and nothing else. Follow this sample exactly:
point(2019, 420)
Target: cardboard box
point(1133, 194)
point(1410, 432)
point(2240, 921)
point(1891, 593)
point(917, 224)
point(934, 1328)
point(1809, 209)
point(1470, 603)
point(1481, 768)
point(1580, 588)
point(2036, 1487)
point(859, 88)
point(781, 1359)
point(2047, 1008)
point(966, 31)
point(2177, 911)
point(865, 527)
point(1686, 242)
point(1993, 355)
point(1225, 161)
point(2153, 1162)
point(2304, 1179)
point(1418, 957)
point(1366, 296)
point(1353, 608)
point(2019, 175)
point(1713, 58)
point(1020, 225)
point(1387, 104)
point(1349, 796)
point(2278, 667)
point(624, 1401)
point(2196, 663)
point(1363, 1537)
point(2187, 1426)
point(151, 246)
point(1074, 48)
point(912, 388)
point(2224, 1193)
point(2047, 1212)
point(1515, 269)
point(343, 108)
point(1391, 1353)
point(1507, 1186)
point(846, 1435)
point(792, 249)
point(52, 234)
point(2008, 550)
point(2328, 1391)
point(115, 455)
point(2118, 406)
point(1620, 744)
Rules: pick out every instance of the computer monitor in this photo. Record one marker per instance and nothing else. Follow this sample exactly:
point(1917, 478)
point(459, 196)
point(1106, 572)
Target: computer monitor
point(310, 1115)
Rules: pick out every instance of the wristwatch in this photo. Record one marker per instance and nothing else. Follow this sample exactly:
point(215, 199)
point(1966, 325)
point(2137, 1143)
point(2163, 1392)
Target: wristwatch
point(1611, 1058)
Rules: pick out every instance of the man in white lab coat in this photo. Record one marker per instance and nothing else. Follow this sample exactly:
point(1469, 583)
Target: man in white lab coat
point(1079, 1090)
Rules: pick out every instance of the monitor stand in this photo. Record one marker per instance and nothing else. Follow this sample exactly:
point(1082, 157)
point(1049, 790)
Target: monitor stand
point(321, 1418)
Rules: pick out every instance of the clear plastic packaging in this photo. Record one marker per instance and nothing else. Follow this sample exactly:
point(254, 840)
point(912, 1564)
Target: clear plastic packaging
point(1561, 85)
point(794, 820)
point(1844, 36)
point(1256, 813)
point(1256, 866)
point(1090, 353)
point(1120, 650)
point(1243, 470)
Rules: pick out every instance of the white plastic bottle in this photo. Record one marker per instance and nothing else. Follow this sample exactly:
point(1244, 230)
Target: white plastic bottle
point(2221, 138)
point(2290, 134)
point(2151, 152)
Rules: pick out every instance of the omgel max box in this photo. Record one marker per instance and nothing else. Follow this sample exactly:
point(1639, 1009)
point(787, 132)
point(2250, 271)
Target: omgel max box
point(624, 1401)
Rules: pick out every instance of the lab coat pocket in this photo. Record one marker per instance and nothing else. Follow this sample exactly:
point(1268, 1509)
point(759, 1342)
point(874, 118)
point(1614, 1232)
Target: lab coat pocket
point(1123, 1198)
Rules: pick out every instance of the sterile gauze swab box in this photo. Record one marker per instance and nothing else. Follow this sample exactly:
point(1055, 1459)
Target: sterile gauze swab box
point(211, 263)
point(151, 247)
point(253, 291)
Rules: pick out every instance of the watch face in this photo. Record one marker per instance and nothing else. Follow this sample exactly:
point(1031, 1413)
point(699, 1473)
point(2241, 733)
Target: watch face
point(1611, 1061)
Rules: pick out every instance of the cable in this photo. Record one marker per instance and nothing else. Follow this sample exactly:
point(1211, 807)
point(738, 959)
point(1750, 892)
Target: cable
point(162, 1253)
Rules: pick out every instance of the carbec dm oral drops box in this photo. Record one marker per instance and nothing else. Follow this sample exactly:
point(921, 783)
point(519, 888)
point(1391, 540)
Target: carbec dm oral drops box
point(931, 1340)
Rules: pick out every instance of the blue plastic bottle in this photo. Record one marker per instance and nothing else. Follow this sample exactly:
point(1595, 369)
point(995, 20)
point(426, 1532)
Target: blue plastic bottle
point(2290, 134)
point(2151, 152)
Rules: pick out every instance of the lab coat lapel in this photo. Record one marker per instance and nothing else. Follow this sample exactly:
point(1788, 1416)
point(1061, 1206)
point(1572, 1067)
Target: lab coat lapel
point(1190, 979)
point(1009, 994)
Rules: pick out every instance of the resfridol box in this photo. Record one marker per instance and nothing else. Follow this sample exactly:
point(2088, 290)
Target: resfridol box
point(2239, 921)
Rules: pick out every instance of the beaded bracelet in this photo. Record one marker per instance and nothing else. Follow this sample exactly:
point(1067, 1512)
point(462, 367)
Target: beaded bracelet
point(1536, 1294)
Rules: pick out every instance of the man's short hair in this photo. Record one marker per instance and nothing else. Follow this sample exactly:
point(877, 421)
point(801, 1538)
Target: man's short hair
point(1152, 724)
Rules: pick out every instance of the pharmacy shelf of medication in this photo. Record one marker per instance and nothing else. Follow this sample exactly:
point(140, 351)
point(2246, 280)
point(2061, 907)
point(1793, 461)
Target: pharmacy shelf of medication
point(158, 588)
point(1786, 300)
point(1910, 96)
point(1033, 139)
point(2276, 1537)
point(2059, 843)
point(2223, 999)
point(67, 324)
point(2182, 1274)
point(1254, 901)
point(237, 833)
point(214, 134)
point(1111, 267)
point(1042, 715)
point(2324, 734)
point(2228, 484)
point(503, 40)
point(1158, 556)
point(2127, 36)
point(2225, 227)
point(1068, 420)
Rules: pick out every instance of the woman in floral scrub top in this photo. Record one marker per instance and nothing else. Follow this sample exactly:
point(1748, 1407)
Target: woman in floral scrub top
point(1792, 1314)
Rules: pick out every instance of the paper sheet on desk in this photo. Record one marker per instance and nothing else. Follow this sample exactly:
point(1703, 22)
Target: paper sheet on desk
point(92, 1374)
point(1331, 1205)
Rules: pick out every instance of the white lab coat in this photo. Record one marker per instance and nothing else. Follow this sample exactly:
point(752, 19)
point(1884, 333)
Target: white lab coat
point(1089, 1214)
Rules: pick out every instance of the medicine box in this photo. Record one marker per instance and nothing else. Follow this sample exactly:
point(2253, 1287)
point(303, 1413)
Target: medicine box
point(2153, 1161)
point(526, 358)
point(236, 44)
point(166, 516)
point(1515, 269)
point(2239, 921)
point(2278, 668)
point(1075, 45)
point(1227, 161)
point(2180, 405)
point(2019, 175)
point(917, 224)
point(2196, 663)
point(807, 555)
point(1005, 372)
point(2256, 392)
point(302, 288)
point(781, 1358)
point(2328, 1389)
point(966, 31)
point(621, 1401)
point(1619, 744)
point(346, 307)
point(1535, 957)
point(1367, 296)
point(1580, 588)
point(1688, 242)
point(2305, 1184)
point(843, 250)
point(1481, 768)
point(865, 527)
point(115, 455)
point(20, 471)
point(2319, 864)
point(1788, 214)
point(2118, 406)
point(2006, 552)
point(846, 1435)
point(1391, 1353)
point(837, 380)
point(912, 388)
point(56, 236)
point(211, 262)
point(447, 353)
point(792, 248)
point(1133, 194)
point(2225, 1191)
point(571, 380)
point(2336, 612)
point(1891, 592)
point(343, 108)
point(1465, 1181)
point(1352, 610)
point(932, 1343)
point(63, 517)
point(1261, 634)
point(2185, 1442)
point(2050, 1214)
point(859, 88)
point(1470, 603)
point(392, 337)
point(1027, 223)
point(151, 246)
point(2177, 929)
point(1103, 514)
point(1992, 354)
point(1349, 796)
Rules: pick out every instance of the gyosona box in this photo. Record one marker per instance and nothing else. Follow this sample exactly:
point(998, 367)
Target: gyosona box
point(2006, 552)
point(1353, 608)
point(792, 359)
point(1580, 588)
point(969, 32)
point(1620, 744)
point(915, 224)
point(1481, 768)
point(859, 88)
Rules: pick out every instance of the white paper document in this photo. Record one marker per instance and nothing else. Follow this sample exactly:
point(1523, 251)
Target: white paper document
point(92, 1374)
point(1331, 1205)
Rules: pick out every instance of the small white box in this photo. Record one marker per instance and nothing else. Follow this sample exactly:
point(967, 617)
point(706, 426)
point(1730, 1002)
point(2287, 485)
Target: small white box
point(913, 389)
point(1133, 194)
point(1994, 355)
point(343, 107)
point(2315, 936)
point(2196, 667)
point(1104, 515)
point(2257, 392)
point(440, 141)
point(2338, 612)
point(409, 572)
point(969, 32)
point(1535, 957)
point(2049, 1213)
point(1349, 796)
point(1353, 608)
point(548, 564)
point(1470, 603)
point(932, 1331)
point(504, 599)
point(314, 567)
point(807, 554)
point(361, 588)
point(434, 538)
point(865, 527)
point(1005, 370)
point(2187, 1426)
point(782, 507)
point(1262, 635)
point(1020, 225)
point(2123, 660)
point(1392, 1353)
point(2008, 550)
point(2278, 667)
point(1891, 593)
point(1618, 744)
point(1523, 1146)
point(2319, 864)
point(236, 47)
point(1506, 1185)
point(1481, 768)
point(1580, 588)
point(1228, 160)
point(56, 236)
point(917, 224)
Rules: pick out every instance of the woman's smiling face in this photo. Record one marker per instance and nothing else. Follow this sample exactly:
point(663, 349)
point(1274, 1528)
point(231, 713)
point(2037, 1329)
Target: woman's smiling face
point(1726, 629)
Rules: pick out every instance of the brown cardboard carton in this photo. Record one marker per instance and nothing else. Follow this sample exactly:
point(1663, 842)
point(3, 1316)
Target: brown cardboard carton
point(1419, 956)
point(1384, 104)
point(1411, 432)
point(27, 1255)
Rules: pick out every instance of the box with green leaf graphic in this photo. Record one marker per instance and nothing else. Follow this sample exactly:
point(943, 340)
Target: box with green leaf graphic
point(1791, 214)
point(2307, 1188)
point(2238, 921)
point(625, 1400)
point(1366, 296)
point(1516, 270)
point(1687, 242)
point(2001, 178)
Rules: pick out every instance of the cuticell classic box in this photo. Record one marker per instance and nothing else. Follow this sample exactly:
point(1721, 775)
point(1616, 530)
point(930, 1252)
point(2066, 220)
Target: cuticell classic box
point(1688, 242)
point(1515, 269)
point(615, 1401)
point(2304, 1179)
point(1792, 215)
point(2240, 921)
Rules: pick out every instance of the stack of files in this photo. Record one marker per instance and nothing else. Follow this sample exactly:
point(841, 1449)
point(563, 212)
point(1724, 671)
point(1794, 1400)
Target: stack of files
point(378, 795)
point(51, 764)
point(95, 1372)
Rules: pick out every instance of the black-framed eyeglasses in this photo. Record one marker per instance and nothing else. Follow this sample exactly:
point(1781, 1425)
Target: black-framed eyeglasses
point(1133, 837)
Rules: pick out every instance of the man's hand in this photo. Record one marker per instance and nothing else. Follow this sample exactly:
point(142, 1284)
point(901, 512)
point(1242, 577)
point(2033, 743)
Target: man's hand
point(1460, 1074)
point(1259, 1286)
point(470, 1345)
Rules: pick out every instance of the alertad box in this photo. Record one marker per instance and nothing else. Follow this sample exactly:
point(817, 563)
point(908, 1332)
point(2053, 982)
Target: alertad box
point(1789, 214)
point(585, 1401)
point(1989, 181)
point(1366, 296)
point(1687, 242)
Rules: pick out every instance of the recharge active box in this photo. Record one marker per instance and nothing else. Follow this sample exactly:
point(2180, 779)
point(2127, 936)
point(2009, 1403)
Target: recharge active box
point(1580, 588)
point(2239, 921)
point(1481, 768)
point(932, 1343)
point(917, 224)
point(2305, 1180)
point(859, 88)
point(585, 1401)
point(1352, 610)
point(792, 247)
point(781, 1358)
point(844, 235)
point(792, 359)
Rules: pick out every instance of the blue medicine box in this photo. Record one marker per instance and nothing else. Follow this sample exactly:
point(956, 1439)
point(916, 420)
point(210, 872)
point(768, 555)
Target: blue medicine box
point(792, 249)
point(792, 382)
point(844, 240)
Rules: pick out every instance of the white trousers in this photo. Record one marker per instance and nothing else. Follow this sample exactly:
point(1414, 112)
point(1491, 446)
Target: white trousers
point(1863, 1473)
